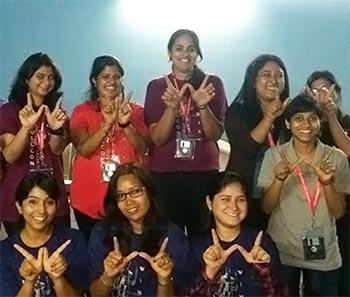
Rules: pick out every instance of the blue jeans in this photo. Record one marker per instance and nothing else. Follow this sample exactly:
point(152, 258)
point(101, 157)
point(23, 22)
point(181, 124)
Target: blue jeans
point(314, 282)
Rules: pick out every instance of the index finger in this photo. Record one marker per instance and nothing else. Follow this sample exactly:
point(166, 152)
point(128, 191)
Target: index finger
point(61, 248)
point(164, 243)
point(308, 91)
point(24, 253)
point(29, 100)
point(329, 154)
point(128, 97)
point(283, 156)
point(331, 89)
point(116, 243)
point(215, 237)
point(258, 239)
point(58, 103)
point(204, 82)
point(168, 82)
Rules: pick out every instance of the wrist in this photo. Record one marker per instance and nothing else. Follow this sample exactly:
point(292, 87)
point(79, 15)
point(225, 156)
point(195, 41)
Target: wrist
point(123, 126)
point(57, 132)
point(202, 107)
point(164, 281)
point(326, 183)
point(281, 179)
point(105, 127)
point(107, 281)
point(209, 273)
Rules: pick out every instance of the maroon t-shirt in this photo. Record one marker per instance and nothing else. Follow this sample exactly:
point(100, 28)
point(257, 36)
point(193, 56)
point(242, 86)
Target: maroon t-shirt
point(206, 156)
point(27, 161)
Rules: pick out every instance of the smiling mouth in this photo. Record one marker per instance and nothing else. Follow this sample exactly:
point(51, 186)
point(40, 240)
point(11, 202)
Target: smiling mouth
point(39, 219)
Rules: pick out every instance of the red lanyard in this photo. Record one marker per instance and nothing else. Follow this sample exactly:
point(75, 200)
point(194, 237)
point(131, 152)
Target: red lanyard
point(312, 201)
point(270, 140)
point(185, 109)
point(40, 137)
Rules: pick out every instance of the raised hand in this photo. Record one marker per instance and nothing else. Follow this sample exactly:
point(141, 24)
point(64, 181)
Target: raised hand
point(203, 94)
point(124, 109)
point(161, 263)
point(172, 96)
point(284, 168)
point(30, 267)
point(215, 256)
point(27, 116)
point(57, 117)
point(115, 262)
point(325, 169)
point(55, 265)
point(110, 110)
point(257, 254)
point(275, 108)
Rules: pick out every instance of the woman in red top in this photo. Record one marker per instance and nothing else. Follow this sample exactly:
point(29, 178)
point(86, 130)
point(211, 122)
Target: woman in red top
point(107, 131)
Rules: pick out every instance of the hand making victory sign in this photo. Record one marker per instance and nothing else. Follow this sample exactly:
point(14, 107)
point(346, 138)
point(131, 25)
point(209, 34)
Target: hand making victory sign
point(275, 108)
point(57, 117)
point(204, 94)
point(161, 263)
point(27, 115)
point(284, 168)
point(124, 109)
point(114, 263)
point(215, 256)
point(172, 96)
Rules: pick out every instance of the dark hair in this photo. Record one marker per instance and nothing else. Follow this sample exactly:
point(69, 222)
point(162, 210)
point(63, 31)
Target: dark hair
point(44, 181)
point(222, 180)
point(98, 66)
point(247, 96)
point(197, 75)
point(327, 75)
point(19, 88)
point(120, 226)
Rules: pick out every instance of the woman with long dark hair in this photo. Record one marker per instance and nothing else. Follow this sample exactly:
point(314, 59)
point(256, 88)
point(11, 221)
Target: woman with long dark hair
point(185, 113)
point(34, 132)
point(42, 260)
point(133, 251)
point(253, 123)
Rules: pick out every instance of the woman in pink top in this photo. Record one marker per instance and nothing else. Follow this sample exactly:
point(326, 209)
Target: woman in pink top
point(107, 131)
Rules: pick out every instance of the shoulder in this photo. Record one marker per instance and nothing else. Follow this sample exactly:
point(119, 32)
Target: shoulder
point(85, 107)
point(136, 107)
point(215, 79)
point(10, 107)
point(157, 82)
point(234, 110)
point(336, 152)
point(7, 244)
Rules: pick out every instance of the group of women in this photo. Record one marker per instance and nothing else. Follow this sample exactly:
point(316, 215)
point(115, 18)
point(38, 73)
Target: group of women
point(288, 156)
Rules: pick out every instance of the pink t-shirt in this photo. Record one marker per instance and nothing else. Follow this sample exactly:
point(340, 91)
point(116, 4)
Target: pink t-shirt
point(88, 188)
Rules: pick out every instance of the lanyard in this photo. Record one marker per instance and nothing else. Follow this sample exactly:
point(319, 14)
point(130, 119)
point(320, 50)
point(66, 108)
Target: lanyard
point(312, 201)
point(270, 140)
point(108, 144)
point(185, 110)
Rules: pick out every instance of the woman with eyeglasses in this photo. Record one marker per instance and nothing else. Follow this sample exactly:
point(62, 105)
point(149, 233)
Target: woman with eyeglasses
point(184, 111)
point(133, 251)
point(107, 130)
point(34, 134)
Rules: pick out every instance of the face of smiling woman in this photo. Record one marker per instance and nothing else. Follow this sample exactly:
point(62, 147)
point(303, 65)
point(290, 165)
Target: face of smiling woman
point(229, 206)
point(38, 210)
point(132, 200)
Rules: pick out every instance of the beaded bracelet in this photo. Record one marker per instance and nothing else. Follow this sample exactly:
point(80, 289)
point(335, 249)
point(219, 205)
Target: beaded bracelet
point(106, 283)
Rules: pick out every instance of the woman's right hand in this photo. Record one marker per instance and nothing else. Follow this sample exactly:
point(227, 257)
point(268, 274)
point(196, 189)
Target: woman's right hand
point(114, 263)
point(30, 267)
point(215, 256)
point(110, 111)
point(27, 116)
point(275, 108)
point(171, 96)
point(284, 168)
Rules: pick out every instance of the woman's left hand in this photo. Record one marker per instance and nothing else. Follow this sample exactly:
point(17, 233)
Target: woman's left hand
point(257, 255)
point(203, 94)
point(161, 263)
point(57, 117)
point(55, 265)
point(124, 110)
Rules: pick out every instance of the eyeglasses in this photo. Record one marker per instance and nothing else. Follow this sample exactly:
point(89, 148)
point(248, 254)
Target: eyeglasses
point(133, 194)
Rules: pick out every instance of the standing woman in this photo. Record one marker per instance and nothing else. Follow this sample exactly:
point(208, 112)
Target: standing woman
point(41, 260)
point(34, 132)
point(253, 123)
point(107, 131)
point(185, 112)
point(133, 251)
point(335, 129)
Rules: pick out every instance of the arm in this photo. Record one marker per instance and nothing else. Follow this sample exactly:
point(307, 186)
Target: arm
point(340, 136)
point(161, 131)
point(63, 288)
point(27, 289)
point(165, 288)
point(271, 196)
point(135, 139)
point(259, 133)
point(101, 286)
point(335, 201)
point(212, 127)
point(14, 145)
point(58, 143)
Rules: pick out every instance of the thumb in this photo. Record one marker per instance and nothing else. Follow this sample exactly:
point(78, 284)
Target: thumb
point(191, 88)
point(45, 256)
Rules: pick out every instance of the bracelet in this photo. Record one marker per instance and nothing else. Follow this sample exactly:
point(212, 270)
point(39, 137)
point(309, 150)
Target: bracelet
point(165, 283)
point(280, 179)
point(106, 283)
point(58, 132)
point(203, 108)
point(123, 126)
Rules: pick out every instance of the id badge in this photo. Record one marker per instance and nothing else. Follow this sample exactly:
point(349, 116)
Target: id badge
point(313, 244)
point(108, 167)
point(184, 148)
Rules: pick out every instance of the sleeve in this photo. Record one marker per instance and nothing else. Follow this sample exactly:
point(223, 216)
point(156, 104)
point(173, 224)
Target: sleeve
point(218, 104)
point(79, 118)
point(76, 257)
point(97, 252)
point(267, 171)
point(238, 133)
point(138, 120)
point(269, 281)
point(154, 106)
point(9, 121)
point(9, 285)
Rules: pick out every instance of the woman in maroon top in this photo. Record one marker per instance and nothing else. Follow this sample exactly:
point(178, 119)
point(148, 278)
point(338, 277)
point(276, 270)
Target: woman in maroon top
point(34, 131)
point(253, 123)
point(185, 112)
